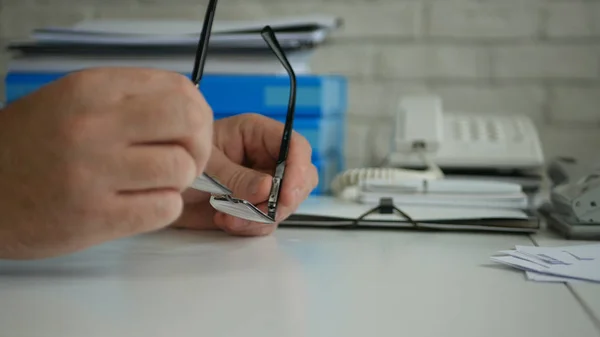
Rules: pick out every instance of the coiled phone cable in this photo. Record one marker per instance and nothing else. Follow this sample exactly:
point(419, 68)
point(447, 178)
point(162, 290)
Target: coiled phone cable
point(346, 185)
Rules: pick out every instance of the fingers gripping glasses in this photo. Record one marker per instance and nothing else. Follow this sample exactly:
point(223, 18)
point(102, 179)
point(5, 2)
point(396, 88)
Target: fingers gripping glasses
point(222, 197)
point(222, 200)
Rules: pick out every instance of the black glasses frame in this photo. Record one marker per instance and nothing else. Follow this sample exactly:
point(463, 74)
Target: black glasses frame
point(221, 198)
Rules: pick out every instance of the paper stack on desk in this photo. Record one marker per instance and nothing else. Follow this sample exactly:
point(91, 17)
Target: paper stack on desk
point(555, 264)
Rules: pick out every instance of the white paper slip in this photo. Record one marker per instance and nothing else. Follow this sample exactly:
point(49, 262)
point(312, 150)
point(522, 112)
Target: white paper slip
point(519, 263)
point(555, 264)
point(548, 255)
point(526, 257)
point(569, 254)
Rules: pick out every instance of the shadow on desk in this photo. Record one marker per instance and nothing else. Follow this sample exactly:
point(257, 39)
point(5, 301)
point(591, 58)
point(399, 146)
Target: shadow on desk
point(201, 281)
point(165, 254)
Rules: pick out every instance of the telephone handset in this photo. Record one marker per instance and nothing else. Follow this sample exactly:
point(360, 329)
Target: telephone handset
point(424, 136)
point(421, 135)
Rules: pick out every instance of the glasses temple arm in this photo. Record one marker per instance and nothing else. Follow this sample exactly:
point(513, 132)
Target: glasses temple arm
point(202, 49)
point(269, 36)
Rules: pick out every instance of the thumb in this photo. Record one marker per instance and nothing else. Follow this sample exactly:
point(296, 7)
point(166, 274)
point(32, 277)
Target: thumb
point(245, 183)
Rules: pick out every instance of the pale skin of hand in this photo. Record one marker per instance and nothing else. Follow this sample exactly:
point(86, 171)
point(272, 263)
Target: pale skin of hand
point(109, 153)
point(98, 155)
point(245, 151)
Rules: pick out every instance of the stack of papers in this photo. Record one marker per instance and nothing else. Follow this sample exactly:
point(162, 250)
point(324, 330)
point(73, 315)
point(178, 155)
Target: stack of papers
point(446, 192)
point(235, 47)
point(291, 32)
point(555, 264)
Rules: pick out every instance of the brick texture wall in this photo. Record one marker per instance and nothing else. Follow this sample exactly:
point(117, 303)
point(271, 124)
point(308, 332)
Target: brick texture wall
point(535, 57)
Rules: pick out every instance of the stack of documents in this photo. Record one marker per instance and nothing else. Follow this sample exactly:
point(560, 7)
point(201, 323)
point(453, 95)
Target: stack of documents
point(445, 192)
point(555, 264)
point(291, 32)
point(234, 46)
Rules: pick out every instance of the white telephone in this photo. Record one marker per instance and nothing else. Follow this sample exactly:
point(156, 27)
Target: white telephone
point(425, 137)
point(462, 140)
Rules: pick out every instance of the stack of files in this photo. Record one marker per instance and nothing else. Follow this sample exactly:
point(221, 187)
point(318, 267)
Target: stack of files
point(241, 74)
point(530, 181)
point(292, 33)
point(570, 264)
point(333, 212)
point(235, 47)
point(446, 193)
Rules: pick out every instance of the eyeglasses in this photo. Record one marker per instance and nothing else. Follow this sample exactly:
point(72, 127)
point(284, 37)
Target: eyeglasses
point(222, 197)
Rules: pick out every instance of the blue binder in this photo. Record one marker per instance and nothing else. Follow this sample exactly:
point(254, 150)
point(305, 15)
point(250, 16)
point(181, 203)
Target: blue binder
point(317, 95)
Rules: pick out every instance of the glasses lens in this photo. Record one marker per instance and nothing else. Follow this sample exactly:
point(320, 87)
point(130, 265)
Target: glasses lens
point(240, 209)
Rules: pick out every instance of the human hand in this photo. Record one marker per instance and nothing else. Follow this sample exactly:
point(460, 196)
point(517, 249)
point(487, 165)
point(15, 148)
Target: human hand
point(98, 155)
point(246, 148)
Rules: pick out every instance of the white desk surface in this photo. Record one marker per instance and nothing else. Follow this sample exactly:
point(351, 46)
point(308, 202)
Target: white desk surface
point(298, 282)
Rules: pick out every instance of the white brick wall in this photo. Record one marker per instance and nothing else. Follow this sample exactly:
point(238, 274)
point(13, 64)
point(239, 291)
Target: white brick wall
point(534, 57)
point(575, 104)
point(573, 19)
point(491, 19)
point(427, 62)
point(540, 62)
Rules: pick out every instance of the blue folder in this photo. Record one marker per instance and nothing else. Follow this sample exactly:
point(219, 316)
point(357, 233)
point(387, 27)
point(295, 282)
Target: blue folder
point(317, 95)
